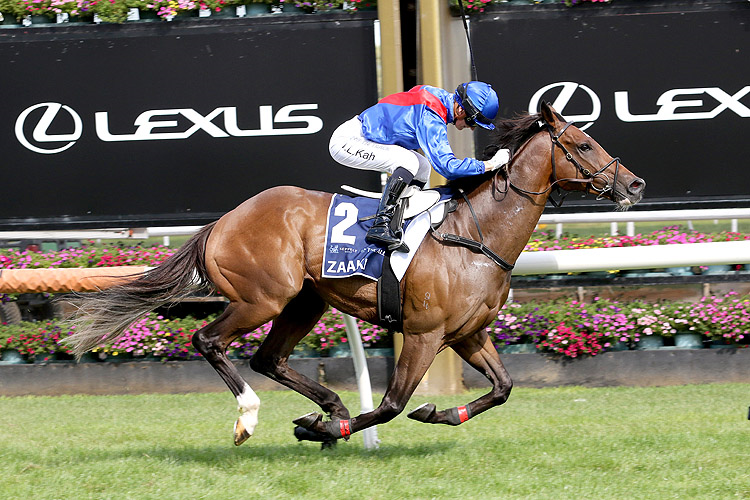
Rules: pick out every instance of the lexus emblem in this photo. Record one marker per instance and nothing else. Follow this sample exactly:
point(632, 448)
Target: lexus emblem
point(41, 136)
point(564, 95)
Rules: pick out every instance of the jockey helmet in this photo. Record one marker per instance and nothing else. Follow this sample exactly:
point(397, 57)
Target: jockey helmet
point(480, 102)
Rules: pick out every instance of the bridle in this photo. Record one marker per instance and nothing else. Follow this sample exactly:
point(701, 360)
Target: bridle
point(480, 247)
point(589, 176)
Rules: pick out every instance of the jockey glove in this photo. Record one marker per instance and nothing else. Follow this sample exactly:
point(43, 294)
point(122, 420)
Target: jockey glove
point(501, 158)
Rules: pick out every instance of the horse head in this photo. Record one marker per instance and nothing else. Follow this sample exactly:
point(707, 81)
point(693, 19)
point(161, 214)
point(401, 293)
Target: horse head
point(579, 163)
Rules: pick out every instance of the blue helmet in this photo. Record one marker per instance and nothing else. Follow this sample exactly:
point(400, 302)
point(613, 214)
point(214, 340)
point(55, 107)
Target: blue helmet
point(480, 102)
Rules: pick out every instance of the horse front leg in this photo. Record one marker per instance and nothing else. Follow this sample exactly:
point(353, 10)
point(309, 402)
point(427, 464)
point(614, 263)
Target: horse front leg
point(481, 354)
point(417, 355)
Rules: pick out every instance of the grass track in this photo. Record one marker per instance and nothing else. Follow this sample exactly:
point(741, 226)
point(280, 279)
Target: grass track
point(688, 442)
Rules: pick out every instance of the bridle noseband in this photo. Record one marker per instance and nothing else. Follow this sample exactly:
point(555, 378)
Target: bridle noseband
point(589, 176)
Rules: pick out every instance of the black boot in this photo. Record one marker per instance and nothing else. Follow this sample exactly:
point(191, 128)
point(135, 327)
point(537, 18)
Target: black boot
point(381, 233)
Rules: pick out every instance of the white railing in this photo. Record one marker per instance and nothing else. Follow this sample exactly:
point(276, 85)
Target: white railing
point(641, 257)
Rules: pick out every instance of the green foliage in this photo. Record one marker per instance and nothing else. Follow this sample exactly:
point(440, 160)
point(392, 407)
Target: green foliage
point(111, 11)
point(9, 8)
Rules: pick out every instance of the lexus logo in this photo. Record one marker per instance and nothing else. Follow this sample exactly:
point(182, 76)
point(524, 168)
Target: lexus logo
point(41, 135)
point(148, 126)
point(701, 103)
point(566, 92)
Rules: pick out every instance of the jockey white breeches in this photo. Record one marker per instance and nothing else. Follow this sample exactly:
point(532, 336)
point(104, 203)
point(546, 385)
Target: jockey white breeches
point(350, 148)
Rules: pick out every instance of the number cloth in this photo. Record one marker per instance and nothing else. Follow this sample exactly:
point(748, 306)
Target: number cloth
point(347, 253)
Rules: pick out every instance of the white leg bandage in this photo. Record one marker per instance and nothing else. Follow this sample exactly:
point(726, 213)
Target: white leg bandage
point(249, 403)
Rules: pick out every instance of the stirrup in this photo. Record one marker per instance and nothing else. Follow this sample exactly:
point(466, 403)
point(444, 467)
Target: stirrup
point(402, 248)
point(384, 238)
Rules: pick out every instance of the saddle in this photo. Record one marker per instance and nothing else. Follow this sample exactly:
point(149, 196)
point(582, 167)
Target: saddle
point(412, 203)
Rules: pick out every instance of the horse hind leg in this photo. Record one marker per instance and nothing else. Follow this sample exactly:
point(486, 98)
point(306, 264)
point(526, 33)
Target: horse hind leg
point(291, 326)
point(479, 352)
point(212, 341)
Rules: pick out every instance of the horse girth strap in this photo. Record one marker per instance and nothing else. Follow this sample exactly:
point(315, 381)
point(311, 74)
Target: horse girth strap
point(476, 246)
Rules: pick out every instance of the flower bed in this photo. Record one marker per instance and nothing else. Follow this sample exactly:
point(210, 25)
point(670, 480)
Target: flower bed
point(566, 328)
point(573, 329)
point(86, 256)
point(170, 339)
point(670, 235)
point(117, 11)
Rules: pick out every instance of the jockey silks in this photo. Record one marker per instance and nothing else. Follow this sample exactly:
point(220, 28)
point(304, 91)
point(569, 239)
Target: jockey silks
point(418, 119)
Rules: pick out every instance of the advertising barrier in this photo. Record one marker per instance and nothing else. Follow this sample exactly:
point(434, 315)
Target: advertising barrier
point(175, 123)
point(663, 85)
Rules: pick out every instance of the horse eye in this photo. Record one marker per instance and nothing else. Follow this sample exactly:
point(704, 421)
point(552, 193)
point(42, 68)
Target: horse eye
point(585, 146)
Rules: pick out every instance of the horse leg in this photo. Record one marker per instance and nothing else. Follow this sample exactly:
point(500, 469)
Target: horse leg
point(479, 352)
point(212, 342)
point(416, 357)
point(291, 326)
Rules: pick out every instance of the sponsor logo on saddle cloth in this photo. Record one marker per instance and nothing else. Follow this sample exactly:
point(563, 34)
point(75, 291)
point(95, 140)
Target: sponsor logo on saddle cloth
point(346, 252)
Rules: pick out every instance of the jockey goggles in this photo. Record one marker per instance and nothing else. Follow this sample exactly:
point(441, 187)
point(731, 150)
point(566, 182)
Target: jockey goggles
point(473, 114)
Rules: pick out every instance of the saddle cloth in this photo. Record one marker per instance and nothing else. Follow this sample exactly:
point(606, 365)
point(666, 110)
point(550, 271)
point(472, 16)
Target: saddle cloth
point(346, 252)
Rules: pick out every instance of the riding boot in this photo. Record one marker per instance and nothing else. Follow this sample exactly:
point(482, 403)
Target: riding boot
point(381, 233)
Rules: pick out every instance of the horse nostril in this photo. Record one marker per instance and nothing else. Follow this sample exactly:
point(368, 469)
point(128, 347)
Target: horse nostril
point(637, 186)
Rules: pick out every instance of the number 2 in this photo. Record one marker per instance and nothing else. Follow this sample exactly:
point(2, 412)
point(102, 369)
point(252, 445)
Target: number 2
point(349, 212)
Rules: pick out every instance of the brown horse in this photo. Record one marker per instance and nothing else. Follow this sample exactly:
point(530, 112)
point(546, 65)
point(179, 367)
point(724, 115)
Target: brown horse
point(266, 257)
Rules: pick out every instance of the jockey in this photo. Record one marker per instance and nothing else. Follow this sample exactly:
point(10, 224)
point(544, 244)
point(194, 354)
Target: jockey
point(385, 138)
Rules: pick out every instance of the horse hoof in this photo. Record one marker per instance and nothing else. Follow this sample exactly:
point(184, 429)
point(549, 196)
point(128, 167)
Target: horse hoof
point(240, 433)
point(328, 445)
point(308, 420)
point(303, 434)
point(423, 412)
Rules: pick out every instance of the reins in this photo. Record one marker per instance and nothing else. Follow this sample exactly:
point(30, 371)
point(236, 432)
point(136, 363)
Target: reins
point(479, 246)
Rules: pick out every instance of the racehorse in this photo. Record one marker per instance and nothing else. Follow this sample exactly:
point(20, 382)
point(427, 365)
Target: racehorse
point(266, 258)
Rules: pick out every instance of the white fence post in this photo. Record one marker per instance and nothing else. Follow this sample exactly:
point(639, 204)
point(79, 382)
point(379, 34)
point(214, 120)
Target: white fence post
point(370, 435)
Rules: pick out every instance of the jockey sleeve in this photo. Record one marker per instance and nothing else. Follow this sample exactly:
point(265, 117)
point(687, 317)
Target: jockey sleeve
point(419, 119)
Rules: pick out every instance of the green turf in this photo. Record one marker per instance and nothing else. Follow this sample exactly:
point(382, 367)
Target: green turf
point(688, 442)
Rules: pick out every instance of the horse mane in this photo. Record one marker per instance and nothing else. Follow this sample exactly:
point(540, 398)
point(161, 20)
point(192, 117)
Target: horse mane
point(509, 134)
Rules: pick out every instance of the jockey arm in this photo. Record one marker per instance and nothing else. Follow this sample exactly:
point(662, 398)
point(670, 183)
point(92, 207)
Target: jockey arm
point(432, 135)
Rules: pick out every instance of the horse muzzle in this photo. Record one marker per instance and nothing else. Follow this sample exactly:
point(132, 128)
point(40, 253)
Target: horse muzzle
point(630, 192)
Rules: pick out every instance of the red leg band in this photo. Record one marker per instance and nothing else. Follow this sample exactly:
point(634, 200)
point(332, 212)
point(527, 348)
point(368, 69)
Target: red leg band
point(345, 429)
point(463, 414)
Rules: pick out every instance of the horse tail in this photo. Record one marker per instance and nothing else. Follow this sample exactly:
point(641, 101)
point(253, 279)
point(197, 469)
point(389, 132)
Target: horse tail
point(100, 318)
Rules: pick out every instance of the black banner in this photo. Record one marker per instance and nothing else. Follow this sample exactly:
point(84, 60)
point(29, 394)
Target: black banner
point(175, 123)
point(663, 85)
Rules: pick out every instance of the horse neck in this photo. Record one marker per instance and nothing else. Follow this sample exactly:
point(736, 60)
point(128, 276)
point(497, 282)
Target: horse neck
point(508, 220)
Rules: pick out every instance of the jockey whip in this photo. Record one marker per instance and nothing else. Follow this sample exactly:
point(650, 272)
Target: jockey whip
point(468, 39)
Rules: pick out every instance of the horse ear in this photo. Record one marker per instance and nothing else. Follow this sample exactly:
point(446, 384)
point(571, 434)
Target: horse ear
point(548, 113)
